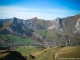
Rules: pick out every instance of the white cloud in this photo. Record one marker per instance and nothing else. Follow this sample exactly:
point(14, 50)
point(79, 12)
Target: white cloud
point(27, 13)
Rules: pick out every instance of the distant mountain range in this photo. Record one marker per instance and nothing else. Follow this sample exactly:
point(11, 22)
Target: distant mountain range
point(60, 31)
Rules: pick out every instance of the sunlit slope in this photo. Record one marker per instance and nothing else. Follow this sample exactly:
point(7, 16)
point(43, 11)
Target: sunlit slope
point(47, 54)
point(3, 55)
point(69, 52)
point(57, 53)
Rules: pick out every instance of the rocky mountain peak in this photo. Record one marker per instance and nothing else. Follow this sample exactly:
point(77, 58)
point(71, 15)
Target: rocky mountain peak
point(35, 18)
point(57, 24)
point(57, 18)
point(14, 18)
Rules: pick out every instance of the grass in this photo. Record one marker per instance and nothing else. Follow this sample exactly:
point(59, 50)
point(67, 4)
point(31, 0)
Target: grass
point(65, 52)
point(41, 32)
point(50, 34)
point(69, 52)
point(3, 55)
point(49, 53)
point(16, 39)
point(27, 49)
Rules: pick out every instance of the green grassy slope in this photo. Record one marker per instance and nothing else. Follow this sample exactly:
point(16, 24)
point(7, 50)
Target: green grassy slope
point(11, 39)
point(27, 49)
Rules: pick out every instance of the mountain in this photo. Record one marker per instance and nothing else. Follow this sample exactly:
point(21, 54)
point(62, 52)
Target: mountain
point(60, 31)
point(17, 26)
point(57, 24)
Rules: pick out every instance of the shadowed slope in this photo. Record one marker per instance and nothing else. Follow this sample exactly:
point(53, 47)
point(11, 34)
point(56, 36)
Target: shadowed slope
point(11, 55)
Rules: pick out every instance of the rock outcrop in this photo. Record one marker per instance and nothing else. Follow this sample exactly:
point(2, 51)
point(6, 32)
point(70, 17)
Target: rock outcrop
point(57, 24)
point(77, 26)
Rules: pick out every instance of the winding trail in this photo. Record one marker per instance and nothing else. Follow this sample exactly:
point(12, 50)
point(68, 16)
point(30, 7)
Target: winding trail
point(56, 56)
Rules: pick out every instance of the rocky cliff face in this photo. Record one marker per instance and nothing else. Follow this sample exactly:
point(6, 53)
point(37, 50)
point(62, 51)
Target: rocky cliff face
point(77, 26)
point(19, 27)
point(45, 31)
point(57, 24)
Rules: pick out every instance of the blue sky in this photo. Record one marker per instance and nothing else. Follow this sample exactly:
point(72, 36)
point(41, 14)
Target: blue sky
point(43, 9)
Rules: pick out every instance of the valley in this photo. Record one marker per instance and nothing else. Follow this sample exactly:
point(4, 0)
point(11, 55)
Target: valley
point(39, 39)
